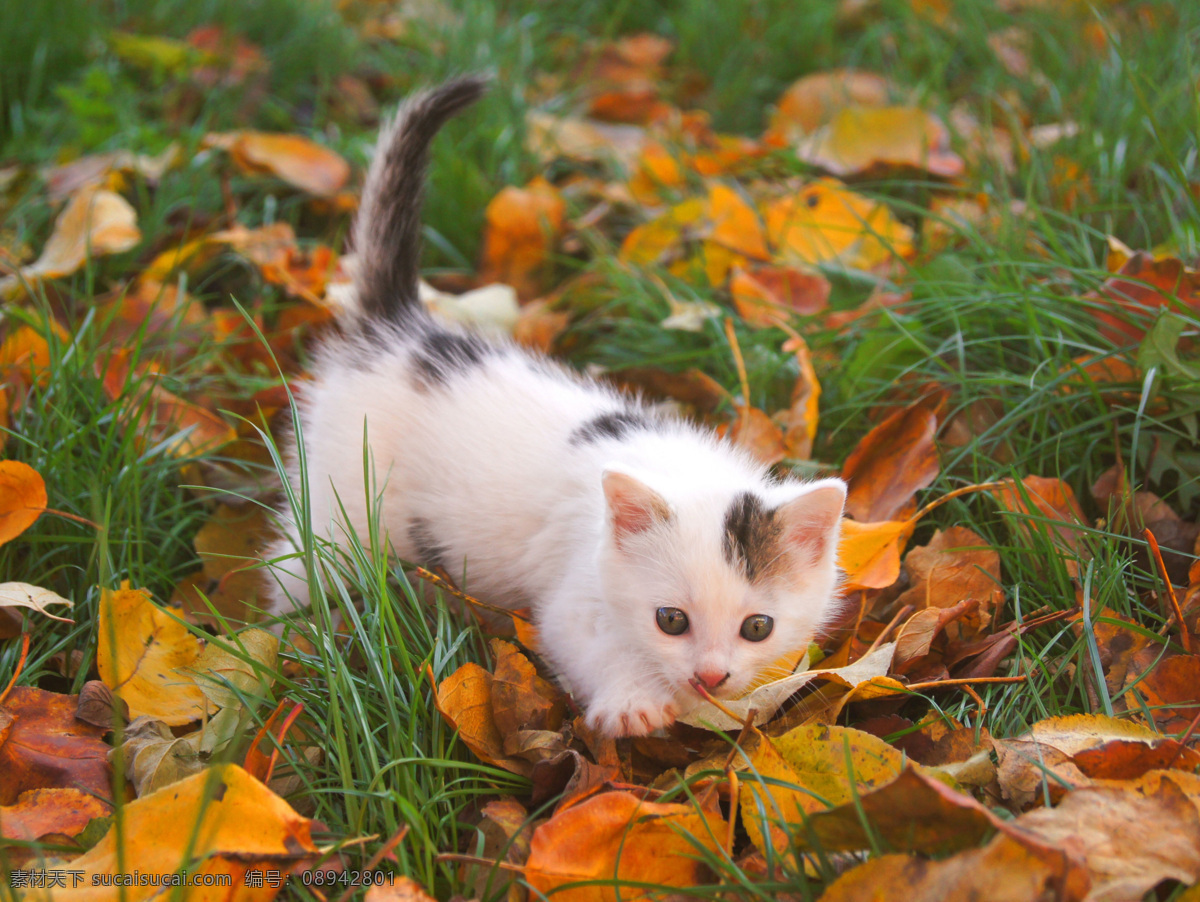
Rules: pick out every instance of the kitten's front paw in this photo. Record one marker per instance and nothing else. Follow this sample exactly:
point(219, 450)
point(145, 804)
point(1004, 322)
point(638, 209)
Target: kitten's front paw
point(637, 717)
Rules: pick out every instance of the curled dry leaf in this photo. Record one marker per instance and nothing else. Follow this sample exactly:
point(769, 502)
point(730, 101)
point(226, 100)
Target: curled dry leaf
point(862, 139)
point(618, 836)
point(767, 698)
point(44, 746)
point(218, 822)
point(296, 160)
point(23, 595)
point(141, 654)
point(94, 223)
point(22, 498)
point(826, 222)
point(956, 567)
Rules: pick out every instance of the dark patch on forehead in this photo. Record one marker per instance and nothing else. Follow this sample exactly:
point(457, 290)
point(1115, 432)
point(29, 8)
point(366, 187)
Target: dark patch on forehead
point(751, 536)
point(615, 424)
point(426, 549)
point(440, 354)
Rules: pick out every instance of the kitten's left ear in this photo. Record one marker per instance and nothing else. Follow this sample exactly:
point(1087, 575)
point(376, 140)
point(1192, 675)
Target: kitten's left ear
point(812, 521)
point(633, 506)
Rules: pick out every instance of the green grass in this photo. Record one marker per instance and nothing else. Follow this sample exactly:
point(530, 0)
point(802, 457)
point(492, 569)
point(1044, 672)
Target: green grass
point(997, 319)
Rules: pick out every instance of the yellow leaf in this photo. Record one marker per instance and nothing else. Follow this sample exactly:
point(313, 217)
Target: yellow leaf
point(23, 595)
point(94, 222)
point(140, 655)
point(826, 222)
point(219, 824)
point(652, 243)
point(812, 100)
point(859, 139)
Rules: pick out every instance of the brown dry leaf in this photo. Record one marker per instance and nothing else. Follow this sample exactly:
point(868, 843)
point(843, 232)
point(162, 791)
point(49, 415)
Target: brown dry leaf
point(813, 100)
point(1130, 837)
point(869, 553)
point(956, 566)
point(231, 538)
point(296, 160)
point(692, 387)
point(827, 766)
point(464, 699)
point(549, 137)
point(522, 700)
point(142, 654)
point(914, 812)
point(94, 223)
point(405, 889)
point(49, 816)
point(616, 835)
point(523, 226)
point(106, 170)
point(1130, 759)
point(1118, 640)
point(539, 326)
point(1172, 689)
point(891, 463)
point(22, 498)
point(766, 295)
point(1041, 760)
point(1043, 503)
point(1141, 286)
point(862, 139)
point(826, 222)
point(921, 629)
point(1005, 870)
point(218, 822)
point(44, 746)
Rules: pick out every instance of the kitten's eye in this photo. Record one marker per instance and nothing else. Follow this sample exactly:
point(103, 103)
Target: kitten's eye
point(672, 621)
point(757, 627)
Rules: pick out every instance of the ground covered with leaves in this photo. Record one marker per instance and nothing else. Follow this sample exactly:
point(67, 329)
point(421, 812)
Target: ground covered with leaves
point(946, 249)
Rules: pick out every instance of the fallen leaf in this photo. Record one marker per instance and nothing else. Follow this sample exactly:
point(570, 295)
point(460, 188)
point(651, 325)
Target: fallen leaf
point(94, 223)
point(464, 700)
point(1044, 504)
point(523, 225)
point(956, 566)
point(869, 553)
point(538, 326)
point(801, 418)
point(755, 432)
point(766, 295)
point(43, 746)
point(549, 137)
point(891, 463)
point(296, 160)
point(617, 836)
point(405, 889)
point(154, 757)
point(1129, 300)
point(23, 595)
point(492, 309)
point(914, 812)
point(22, 498)
point(826, 222)
point(218, 822)
point(47, 815)
point(522, 700)
point(863, 139)
point(98, 170)
point(1170, 688)
point(813, 100)
point(142, 654)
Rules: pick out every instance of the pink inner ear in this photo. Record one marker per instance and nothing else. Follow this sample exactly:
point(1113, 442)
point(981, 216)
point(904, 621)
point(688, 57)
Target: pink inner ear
point(632, 505)
point(811, 521)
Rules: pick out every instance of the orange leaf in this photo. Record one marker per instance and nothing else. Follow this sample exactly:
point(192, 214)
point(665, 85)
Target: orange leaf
point(464, 700)
point(522, 228)
point(1044, 499)
point(812, 100)
point(48, 813)
point(757, 433)
point(1142, 286)
point(616, 835)
point(826, 222)
point(767, 295)
point(891, 463)
point(296, 160)
point(869, 553)
point(22, 498)
point(802, 417)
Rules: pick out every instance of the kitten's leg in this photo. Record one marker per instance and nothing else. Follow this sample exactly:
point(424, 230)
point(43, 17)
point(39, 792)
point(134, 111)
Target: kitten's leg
point(624, 706)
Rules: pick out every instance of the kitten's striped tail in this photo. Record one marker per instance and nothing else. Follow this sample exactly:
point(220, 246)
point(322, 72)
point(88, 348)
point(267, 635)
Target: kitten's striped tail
point(387, 233)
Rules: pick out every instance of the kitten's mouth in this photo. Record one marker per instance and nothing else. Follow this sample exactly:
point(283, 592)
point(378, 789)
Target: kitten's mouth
point(709, 686)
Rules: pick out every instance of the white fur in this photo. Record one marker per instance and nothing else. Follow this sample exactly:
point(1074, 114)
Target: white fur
point(487, 460)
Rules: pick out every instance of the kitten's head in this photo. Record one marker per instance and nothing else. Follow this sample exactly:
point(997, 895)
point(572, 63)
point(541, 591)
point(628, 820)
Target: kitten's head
point(718, 586)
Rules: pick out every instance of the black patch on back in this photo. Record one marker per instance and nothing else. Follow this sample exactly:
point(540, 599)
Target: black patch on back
point(750, 536)
point(615, 424)
point(440, 354)
point(426, 548)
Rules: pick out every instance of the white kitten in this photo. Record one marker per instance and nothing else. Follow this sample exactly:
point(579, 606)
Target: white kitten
point(651, 553)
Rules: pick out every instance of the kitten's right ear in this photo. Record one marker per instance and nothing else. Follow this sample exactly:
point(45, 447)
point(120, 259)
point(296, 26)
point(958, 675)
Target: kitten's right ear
point(633, 506)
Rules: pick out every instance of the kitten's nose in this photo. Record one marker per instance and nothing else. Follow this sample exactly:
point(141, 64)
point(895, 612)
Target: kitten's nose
point(711, 679)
